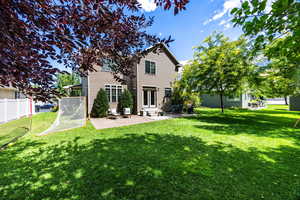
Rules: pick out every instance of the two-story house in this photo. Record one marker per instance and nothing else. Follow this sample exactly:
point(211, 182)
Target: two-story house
point(150, 87)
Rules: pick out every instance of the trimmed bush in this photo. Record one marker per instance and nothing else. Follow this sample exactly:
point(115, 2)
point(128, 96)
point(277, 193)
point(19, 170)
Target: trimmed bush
point(100, 106)
point(125, 101)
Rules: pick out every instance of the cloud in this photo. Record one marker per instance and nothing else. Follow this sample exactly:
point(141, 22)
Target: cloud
point(228, 5)
point(147, 5)
point(223, 22)
point(227, 26)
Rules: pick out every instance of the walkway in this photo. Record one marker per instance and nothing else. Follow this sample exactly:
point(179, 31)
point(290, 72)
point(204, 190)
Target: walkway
point(102, 123)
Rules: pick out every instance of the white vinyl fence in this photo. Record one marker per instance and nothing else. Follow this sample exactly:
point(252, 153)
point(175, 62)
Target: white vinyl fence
point(11, 109)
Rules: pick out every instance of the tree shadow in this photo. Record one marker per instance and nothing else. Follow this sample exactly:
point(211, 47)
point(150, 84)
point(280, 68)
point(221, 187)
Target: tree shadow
point(256, 123)
point(150, 166)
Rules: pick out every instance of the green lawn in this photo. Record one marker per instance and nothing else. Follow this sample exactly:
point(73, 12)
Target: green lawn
point(239, 155)
point(13, 130)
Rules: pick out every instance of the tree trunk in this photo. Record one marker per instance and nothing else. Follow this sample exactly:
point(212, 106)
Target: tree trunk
point(222, 103)
point(285, 99)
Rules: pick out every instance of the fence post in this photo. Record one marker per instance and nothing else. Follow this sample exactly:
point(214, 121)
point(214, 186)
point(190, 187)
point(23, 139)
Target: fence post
point(18, 108)
point(5, 110)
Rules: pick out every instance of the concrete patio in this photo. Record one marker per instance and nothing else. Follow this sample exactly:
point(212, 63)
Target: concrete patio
point(103, 123)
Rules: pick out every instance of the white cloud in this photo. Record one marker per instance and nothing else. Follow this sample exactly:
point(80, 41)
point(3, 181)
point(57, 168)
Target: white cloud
point(184, 62)
point(223, 22)
point(227, 7)
point(148, 5)
point(227, 26)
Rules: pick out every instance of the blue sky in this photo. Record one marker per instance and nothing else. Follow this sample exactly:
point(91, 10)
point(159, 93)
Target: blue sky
point(190, 27)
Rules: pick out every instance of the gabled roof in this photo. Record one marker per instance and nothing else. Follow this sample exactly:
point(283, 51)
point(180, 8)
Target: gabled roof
point(166, 50)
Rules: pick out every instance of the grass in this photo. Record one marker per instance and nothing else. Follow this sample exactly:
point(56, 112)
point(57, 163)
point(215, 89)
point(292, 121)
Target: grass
point(278, 107)
point(237, 155)
point(13, 129)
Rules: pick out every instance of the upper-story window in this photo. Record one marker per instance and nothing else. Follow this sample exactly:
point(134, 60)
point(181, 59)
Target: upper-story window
point(107, 65)
point(150, 67)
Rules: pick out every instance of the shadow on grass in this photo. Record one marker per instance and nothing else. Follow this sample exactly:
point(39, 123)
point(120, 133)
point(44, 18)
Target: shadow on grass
point(150, 166)
point(258, 123)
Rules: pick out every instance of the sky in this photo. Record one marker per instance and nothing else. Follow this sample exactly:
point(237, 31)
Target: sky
point(190, 27)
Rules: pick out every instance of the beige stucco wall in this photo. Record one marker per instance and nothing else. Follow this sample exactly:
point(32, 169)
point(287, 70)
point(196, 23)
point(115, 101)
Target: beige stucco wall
point(7, 93)
point(97, 80)
point(164, 77)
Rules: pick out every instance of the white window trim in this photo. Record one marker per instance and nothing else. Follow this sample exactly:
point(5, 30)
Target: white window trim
point(110, 86)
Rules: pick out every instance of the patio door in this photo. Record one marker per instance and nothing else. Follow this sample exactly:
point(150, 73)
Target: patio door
point(149, 98)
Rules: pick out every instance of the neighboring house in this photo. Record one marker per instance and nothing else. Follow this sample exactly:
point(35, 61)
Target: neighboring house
point(150, 87)
point(10, 93)
point(295, 103)
point(214, 101)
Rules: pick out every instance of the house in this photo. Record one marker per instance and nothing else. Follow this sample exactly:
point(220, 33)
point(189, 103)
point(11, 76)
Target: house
point(295, 103)
point(10, 93)
point(213, 101)
point(150, 87)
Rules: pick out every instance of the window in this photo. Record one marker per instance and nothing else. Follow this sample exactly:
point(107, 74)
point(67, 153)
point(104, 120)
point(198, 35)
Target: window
point(168, 92)
point(150, 67)
point(113, 92)
point(233, 98)
point(119, 92)
point(107, 66)
point(107, 89)
point(17, 95)
point(145, 97)
point(152, 98)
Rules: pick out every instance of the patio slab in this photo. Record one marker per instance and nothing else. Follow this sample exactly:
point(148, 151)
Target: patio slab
point(103, 123)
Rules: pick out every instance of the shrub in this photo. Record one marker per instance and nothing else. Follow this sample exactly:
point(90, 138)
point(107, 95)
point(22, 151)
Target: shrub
point(100, 106)
point(125, 101)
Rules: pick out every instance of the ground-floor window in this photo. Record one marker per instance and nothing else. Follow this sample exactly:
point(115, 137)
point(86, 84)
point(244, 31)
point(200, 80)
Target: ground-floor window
point(113, 92)
point(168, 92)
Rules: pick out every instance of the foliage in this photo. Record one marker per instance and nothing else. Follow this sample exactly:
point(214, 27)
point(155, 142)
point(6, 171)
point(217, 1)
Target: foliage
point(100, 105)
point(183, 92)
point(220, 67)
point(36, 34)
point(281, 23)
point(65, 79)
point(125, 101)
point(253, 153)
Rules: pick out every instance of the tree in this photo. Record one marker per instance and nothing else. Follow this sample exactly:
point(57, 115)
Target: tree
point(220, 67)
point(183, 93)
point(100, 105)
point(34, 35)
point(278, 79)
point(125, 101)
point(65, 79)
point(265, 25)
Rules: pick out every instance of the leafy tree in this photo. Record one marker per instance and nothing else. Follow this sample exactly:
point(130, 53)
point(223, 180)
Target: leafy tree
point(64, 79)
point(76, 33)
point(278, 79)
point(220, 67)
point(125, 101)
point(183, 93)
point(266, 25)
point(100, 106)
